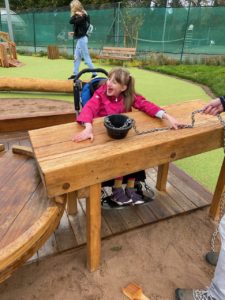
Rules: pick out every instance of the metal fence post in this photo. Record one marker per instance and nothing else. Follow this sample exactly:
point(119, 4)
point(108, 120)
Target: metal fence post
point(34, 30)
point(185, 32)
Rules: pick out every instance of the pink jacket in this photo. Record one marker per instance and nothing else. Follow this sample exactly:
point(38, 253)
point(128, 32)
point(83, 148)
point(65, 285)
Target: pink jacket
point(101, 105)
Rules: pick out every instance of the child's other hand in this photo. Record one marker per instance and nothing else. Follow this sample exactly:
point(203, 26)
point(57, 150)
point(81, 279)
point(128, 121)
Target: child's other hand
point(174, 124)
point(85, 134)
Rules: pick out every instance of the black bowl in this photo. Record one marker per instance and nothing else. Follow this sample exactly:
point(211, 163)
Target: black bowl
point(118, 125)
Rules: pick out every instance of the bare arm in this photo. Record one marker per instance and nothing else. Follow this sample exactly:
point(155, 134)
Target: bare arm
point(85, 134)
point(174, 124)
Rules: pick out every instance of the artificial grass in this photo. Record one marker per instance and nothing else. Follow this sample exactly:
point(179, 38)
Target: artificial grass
point(161, 89)
point(209, 75)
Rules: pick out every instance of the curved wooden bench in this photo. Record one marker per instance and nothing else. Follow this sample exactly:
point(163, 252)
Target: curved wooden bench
point(27, 217)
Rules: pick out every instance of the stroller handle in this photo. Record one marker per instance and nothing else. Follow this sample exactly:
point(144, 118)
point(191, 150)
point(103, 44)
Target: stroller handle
point(97, 70)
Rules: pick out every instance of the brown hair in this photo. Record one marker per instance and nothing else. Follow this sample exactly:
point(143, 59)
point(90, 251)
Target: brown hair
point(76, 6)
point(122, 76)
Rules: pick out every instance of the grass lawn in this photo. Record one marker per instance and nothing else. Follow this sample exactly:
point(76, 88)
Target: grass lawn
point(161, 89)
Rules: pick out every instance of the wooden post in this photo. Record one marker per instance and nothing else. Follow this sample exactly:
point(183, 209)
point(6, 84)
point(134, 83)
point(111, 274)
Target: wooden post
point(53, 52)
point(93, 215)
point(220, 186)
point(162, 177)
point(72, 203)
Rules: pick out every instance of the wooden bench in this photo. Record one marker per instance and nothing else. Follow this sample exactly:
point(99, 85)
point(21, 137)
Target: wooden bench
point(118, 53)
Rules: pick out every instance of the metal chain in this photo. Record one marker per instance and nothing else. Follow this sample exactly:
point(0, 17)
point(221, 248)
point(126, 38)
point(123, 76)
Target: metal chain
point(182, 126)
point(168, 128)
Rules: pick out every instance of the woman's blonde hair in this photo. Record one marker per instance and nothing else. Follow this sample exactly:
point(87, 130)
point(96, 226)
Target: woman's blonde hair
point(122, 76)
point(76, 6)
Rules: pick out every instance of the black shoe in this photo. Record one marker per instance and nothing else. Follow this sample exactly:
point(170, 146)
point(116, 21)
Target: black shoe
point(94, 75)
point(212, 258)
point(71, 77)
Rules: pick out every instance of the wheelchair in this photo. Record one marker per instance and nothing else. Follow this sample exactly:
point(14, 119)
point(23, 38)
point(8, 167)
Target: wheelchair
point(82, 92)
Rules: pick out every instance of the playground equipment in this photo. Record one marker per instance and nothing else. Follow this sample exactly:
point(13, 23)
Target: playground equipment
point(34, 84)
point(8, 56)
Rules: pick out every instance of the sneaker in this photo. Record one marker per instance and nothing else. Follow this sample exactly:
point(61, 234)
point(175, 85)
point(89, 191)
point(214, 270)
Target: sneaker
point(71, 77)
point(120, 197)
point(183, 294)
point(212, 258)
point(132, 194)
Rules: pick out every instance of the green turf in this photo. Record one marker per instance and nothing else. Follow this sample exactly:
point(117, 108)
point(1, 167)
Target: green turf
point(161, 89)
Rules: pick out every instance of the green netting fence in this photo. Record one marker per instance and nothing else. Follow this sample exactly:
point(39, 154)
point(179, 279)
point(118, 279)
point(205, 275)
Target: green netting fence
point(172, 31)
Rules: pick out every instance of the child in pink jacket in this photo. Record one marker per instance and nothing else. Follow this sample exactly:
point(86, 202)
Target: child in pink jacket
point(118, 96)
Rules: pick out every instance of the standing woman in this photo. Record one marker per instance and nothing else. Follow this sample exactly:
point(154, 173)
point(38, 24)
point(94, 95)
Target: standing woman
point(81, 21)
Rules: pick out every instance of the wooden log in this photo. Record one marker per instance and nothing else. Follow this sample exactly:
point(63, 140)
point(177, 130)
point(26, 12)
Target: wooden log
point(24, 150)
point(2, 147)
point(33, 84)
point(53, 52)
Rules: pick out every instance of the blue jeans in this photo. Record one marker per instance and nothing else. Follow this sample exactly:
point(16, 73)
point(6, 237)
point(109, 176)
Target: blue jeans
point(217, 288)
point(81, 51)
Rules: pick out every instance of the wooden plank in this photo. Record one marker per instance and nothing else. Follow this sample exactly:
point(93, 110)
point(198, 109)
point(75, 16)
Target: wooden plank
point(105, 230)
point(130, 218)
point(114, 220)
point(177, 195)
point(186, 185)
point(15, 193)
point(48, 248)
point(35, 122)
point(23, 150)
point(165, 199)
point(13, 164)
point(36, 204)
point(206, 194)
point(145, 213)
point(93, 219)
point(78, 224)
point(64, 235)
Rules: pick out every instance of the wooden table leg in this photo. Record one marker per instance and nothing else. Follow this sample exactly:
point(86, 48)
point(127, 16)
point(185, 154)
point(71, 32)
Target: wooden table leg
point(220, 186)
point(162, 177)
point(72, 203)
point(93, 215)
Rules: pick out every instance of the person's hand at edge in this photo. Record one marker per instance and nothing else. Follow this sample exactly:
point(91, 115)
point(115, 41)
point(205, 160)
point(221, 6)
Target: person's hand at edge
point(214, 107)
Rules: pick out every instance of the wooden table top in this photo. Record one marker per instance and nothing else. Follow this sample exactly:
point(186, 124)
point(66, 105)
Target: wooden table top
point(66, 166)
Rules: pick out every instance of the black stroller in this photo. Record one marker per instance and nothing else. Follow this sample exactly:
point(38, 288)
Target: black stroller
point(83, 91)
